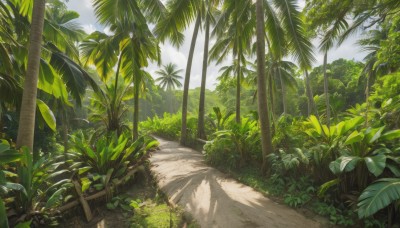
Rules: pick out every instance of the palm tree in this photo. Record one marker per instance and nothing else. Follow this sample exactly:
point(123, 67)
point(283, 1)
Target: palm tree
point(26, 126)
point(234, 29)
point(181, 14)
point(169, 77)
point(332, 35)
point(128, 21)
point(266, 141)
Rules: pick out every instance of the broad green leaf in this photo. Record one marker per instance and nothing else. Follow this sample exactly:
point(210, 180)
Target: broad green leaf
point(352, 123)
point(374, 134)
point(390, 135)
point(378, 196)
point(56, 197)
point(10, 156)
point(334, 166)
point(348, 163)
point(314, 121)
point(354, 137)
point(47, 114)
point(376, 164)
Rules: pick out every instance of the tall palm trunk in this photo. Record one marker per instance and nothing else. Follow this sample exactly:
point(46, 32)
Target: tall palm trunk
point(136, 109)
point(187, 80)
point(238, 87)
point(265, 126)
point(310, 96)
point(200, 127)
point(326, 91)
point(26, 129)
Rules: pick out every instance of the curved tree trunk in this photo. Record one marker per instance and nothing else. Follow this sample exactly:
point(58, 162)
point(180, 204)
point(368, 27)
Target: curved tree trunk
point(187, 80)
point(200, 127)
point(26, 129)
point(265, 126)
point(238, 87)
point(326, 91)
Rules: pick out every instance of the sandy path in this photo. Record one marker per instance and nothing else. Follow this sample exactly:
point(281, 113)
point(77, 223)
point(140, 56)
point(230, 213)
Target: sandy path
point(213, 199)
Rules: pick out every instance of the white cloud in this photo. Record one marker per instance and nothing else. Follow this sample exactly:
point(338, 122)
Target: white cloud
point(89, 28)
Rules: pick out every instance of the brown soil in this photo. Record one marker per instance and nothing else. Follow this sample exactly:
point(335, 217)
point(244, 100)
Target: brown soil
point(212, 198)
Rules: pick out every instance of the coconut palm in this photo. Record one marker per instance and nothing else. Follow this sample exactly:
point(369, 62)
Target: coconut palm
point(234, 29)
point(132, 36)
point(28, 105)
point(169, 77)
point(181, 14)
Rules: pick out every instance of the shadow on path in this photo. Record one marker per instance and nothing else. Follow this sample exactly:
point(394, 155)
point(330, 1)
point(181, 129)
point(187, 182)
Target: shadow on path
point(213, 199)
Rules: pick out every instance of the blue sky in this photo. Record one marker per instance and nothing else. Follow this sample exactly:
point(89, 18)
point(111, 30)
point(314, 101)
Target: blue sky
point(348, 50)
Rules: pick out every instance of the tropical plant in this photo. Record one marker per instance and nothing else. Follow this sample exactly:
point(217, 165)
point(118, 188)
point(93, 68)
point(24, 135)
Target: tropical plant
point(378, 196)
point(35, 188)
point(107, 158)
point(169, 77)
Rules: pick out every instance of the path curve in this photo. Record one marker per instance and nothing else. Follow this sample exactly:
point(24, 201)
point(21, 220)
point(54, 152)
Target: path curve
point(213, 199)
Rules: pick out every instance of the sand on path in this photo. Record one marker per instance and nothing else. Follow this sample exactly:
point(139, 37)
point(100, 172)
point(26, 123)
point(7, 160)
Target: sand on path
point(213, 199)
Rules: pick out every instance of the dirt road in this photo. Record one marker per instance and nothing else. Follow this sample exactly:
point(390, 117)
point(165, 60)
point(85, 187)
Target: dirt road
point(213, 199)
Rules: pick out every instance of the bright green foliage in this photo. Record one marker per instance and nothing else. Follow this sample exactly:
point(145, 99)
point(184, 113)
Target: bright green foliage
point(235, 145)
point(34, 186)
point(378, 196)
point(106, 159)
point(169, 126)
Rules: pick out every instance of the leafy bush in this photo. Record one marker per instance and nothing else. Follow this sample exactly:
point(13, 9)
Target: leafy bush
point(107, 158)
point(31, 188)
point(235, 146)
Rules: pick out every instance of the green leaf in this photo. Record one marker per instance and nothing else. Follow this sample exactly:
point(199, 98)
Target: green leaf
point(85, 183)
point(314, 121)
point(4, 145)
point(56, 197)
point(84, 169)
point(47, 114)
point(390, 135)
point(378, 196)
point(10, 156)
point(326, 186)
point(374, 134)
point(24, 224)
point(354, 137)
point(348, 163)
point(3, 212)
point(376, 164)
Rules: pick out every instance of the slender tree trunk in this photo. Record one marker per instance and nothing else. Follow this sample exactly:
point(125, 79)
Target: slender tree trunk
point(187, 80)
point(26, 129)
point(265, 125)
point(136, 109)
point(238, 87)
point(326, 91)
point(367, 100)
point(310, 96)
point(283, 91)
point(200, 127)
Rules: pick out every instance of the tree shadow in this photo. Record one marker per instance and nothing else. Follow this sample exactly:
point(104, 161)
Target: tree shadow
point(212, 198)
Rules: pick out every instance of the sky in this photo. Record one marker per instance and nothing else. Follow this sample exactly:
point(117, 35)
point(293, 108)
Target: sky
point(170, 54)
